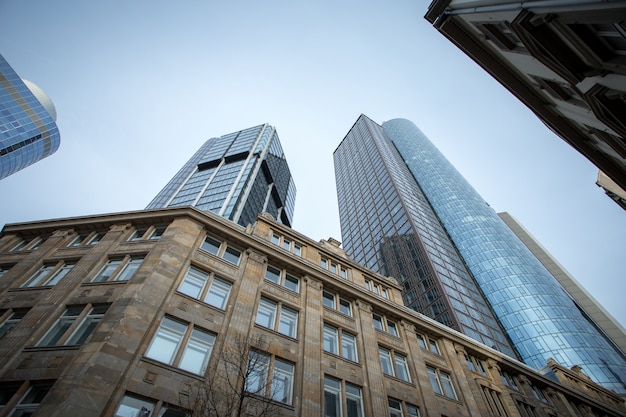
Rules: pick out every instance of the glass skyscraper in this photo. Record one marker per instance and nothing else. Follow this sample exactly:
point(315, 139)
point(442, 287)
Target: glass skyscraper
point(395, 169)
point(237, 176)
point(28, 131)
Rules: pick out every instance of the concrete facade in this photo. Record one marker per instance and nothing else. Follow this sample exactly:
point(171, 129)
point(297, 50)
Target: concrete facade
point(75, 271)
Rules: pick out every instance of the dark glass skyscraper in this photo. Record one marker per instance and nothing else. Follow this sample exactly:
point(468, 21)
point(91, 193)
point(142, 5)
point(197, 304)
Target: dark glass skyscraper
point(237, 176)
point(395, 186)
point(28, 131)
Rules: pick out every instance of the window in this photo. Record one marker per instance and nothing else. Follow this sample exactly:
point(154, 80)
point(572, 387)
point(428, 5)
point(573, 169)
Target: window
point(394, 364)
point(49, 275)
point(11, 318)
point(132, 406)
point(287, 244)
point(206, 287)
point(276, 317)
point(334, 267)
point(528, 410)
point(538, 393)
point(4, 270)
point(270, 377)
point(28, 244)
point(29, 402)
point(441, 382)
point(494, 401)
point(335, 302)
point(118, 269)
point(74, 326)
point(84, 239)
point(381, 323)
point(221, 249)
point(182, 345)
point(377, 288)
point(147, 233)
point(399, 409)
point(340, 343)
point(508, 380)
point(342, 399)
point(428, 343)
point(476, 365)
point(281, 277)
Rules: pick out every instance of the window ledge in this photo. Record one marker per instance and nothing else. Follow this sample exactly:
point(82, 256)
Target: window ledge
point(172, 368)
point(49, 348)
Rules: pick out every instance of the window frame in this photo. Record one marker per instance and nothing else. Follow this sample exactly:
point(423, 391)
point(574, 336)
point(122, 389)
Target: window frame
point(344, 392)
point(292, 245)
point(276, 318)
point(223, 251)
point(283, 277)
point(69, 328)
point(205, 291)
point(189, 342)
point(8, 319)
point(437, 377)
point(262, 368)
point(341, 340)
point(377, 288)
point(402, 409)
point(86, 239)
point(385, 325)
point(396, 362)
point(339, 304)
point(49, 274)
point(121, 270)
point(428, 344)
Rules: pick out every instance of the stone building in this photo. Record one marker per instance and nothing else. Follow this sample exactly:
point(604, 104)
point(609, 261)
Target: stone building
point(120, 314)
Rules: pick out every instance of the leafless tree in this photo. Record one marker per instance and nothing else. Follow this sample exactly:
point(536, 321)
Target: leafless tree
point(239, 387)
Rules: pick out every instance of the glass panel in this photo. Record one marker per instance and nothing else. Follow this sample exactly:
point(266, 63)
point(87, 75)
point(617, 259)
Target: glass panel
point(292, 283)
point(378, 322)
point(395, 408)
point(272, 274)
point(286, 244)
point(60, 327)
point(385, 361)
point(348, 346)
point(107, 271)
point(167, 340)
point(266, 314)
point(39, 275)
point(421, 342)
point(282, 381)
point(129, 270)
point(134, 407)
point(402, 370)
point(196, 355)
point(297, 249)
point(211, 245)
point(433, 347)
point(86, 327)
point(345, 307)
point(275, 239)
point(330, 339)
point(232, 255)
point(59, 274)
point(193, 283)
point(258, 365)
point(328, 299)
point(434, 381)
point(218, 293)
point(412, 411)
point(391, 328)
point(332, 397)
point(288, 322)
point(446, 381)
point(353, 401)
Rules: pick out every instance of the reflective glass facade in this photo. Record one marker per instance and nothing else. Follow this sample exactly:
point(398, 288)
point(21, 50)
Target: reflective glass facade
point(538, 315)
point(28, 131)
point(237, 176)
point(388, 225)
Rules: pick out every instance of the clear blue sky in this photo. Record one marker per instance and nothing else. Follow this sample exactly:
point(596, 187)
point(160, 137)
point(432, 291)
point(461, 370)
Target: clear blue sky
point(140, 85)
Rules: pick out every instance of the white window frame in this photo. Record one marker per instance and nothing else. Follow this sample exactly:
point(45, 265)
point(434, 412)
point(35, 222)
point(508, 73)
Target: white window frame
point(270, 376)
point(278, 317)
point(396, 363)
point(339, 304)
point(428, 343)
point(206, 287)
point(119, 269)
point(343, 393)
point(340, 343)
point(222, 249)
point(282, 278)
point(386, 325)
point(77, 322)
point(441, 382)
point(184, 342)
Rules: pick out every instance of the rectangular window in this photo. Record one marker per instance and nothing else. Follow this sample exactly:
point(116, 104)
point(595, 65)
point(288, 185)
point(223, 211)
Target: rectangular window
point(206, 287)
point(400, 409)
point(427, 343)
point(287, 244)
point(49, 275)
point(275, 316)
point(494, 401)
point(84, 239)
point(132, 406)
point(334, 405)
point(441, 382)
point(74, 326)
point(394, 364)
point(29, 403)
point(383, 324)
point(221, 249)
point(182, 345)
point(340, 343)
point(281, 277)
point(335, 302)
point(12, 318)
point(270, 377)
point(118, 269)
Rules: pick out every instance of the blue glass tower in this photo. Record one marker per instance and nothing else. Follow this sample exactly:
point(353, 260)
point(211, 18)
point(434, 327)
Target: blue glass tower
point(237, 176)
point(28, 131)
point(388, 225)
point(537, 314)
